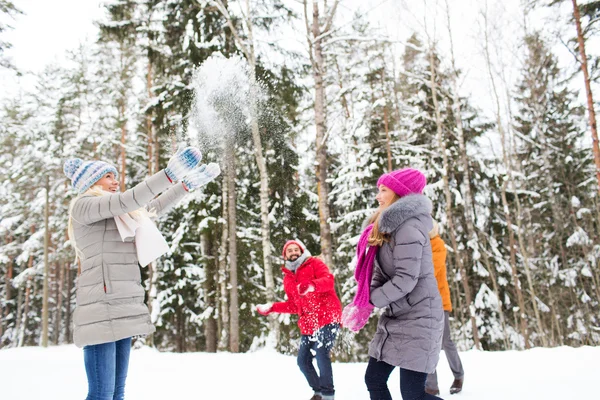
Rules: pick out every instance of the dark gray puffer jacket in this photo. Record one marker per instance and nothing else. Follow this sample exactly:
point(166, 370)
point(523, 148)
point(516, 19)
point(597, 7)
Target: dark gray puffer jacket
point(110, 295)
point(409, 333)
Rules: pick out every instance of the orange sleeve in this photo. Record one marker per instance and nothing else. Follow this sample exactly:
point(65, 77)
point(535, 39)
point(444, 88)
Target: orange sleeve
point(438, 249)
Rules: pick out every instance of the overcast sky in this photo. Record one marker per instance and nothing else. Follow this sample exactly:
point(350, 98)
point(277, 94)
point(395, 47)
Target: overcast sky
point(48, 28)
point(43, 34)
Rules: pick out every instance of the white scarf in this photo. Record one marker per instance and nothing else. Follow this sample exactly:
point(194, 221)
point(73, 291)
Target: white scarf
point(149, 242)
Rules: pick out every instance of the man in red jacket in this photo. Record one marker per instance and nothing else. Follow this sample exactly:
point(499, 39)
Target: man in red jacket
point(310, 291)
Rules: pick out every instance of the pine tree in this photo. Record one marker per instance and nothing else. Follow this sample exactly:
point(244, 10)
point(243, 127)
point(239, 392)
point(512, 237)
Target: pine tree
point(549, 124)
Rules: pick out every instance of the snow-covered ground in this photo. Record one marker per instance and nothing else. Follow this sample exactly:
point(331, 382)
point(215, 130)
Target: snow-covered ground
point(58, 373)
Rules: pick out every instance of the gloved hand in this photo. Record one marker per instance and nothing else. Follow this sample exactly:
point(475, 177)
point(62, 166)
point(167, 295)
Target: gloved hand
point(305, 288)
point(264, 309)
point(182, 163)
point(355, 317)
point(201, 176)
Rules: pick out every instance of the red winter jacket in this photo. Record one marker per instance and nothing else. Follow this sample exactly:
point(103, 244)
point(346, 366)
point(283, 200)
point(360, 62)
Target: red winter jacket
point(315, 309)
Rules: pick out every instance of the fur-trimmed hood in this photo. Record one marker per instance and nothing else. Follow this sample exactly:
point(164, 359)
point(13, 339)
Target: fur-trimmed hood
point(403, 209)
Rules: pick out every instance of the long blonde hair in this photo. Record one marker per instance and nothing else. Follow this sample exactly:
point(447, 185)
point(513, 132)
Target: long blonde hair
point(378, 238)
point(98, 192)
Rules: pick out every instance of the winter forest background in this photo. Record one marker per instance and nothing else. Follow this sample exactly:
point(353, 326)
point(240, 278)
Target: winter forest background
point(304, 104)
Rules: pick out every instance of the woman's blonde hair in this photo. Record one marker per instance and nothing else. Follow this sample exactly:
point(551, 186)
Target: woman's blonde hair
point(378, 238)
point(97, 191)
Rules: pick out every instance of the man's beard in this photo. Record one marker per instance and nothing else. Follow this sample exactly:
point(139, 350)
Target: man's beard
point(293, 258)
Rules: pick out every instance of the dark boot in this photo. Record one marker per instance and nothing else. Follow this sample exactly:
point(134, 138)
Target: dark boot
point(456, 386)
point(316, 397)
point(434, 392)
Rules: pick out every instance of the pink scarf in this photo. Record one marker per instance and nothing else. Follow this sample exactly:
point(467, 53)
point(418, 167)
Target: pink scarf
point(357, 313)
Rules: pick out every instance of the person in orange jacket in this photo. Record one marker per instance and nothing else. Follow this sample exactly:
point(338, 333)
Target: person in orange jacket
point(438, 248)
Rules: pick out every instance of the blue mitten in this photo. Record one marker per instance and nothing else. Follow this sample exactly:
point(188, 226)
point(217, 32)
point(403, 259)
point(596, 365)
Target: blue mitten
point(182, 163)
point(202, 175)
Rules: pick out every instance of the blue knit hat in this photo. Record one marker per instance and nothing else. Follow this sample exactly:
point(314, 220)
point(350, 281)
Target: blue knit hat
point(83, 174)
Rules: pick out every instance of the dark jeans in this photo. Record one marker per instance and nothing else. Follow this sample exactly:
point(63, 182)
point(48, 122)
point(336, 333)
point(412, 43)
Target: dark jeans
point(412, 383)
point(321, 343)
point(106, 368)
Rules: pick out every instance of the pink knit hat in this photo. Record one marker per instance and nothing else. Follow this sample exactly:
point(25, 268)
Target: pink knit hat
point(404, 181)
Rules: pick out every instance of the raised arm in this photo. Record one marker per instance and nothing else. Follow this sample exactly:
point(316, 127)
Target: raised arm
point(285, 307)
point(90, 209)
point(167, 199)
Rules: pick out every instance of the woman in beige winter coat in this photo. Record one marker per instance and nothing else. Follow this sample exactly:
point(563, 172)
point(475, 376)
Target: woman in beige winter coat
point(106, 228)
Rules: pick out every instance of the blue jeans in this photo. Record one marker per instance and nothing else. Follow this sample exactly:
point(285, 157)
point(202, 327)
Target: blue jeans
point(412, 383)
point(321, 342)
point(106, 368)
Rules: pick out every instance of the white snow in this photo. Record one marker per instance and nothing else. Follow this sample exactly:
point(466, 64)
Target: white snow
point(34, 373)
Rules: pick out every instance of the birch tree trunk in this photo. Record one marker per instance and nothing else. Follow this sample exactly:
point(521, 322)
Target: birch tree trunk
point(152, 167)
point(510, 180)
point(123, 125)
point(45, 314)
point(153, 157)
point(234, 323)
point(68, 305)
point(7, 287)
point(59, 300)
point(247, 47)
point(386, 121)
point(210, 325)
point(448, 195)
point(26, 305)
point(513, 259)
point(223, 321)
point(315, 34)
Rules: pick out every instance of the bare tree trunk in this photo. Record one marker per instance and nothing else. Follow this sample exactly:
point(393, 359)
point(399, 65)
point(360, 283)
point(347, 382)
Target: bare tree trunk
point(247, 47)
point(386, 123)
point(44, 338)
point(152, 167)
point(123, 142)
point(7, 288)
point(525, 255)
point(234, 323)
point(343, 98)
point(315, 40)
point(554, 320)
point(68, 305)
point(513, 261)
point(448, 195)
point(510, 180)
point(59, 300)
point(28, 288)
point(223, 322)
point(588, 90)
point(179, 335)
point(472, 239)
point(19, 320)
point(210, 325)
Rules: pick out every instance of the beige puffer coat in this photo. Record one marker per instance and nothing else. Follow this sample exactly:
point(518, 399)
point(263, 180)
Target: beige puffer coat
point(110, 295)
